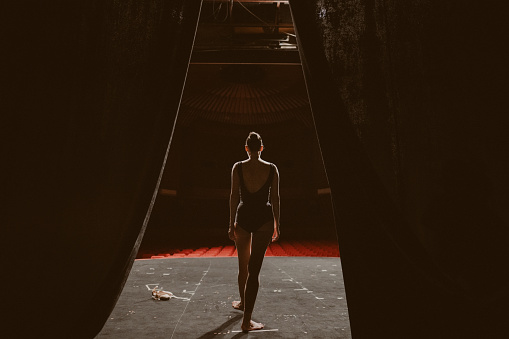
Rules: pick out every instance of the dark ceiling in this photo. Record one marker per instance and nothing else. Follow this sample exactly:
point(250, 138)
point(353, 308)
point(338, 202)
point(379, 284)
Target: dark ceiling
point(245, 67)
point(245, 95)
point(245, 32)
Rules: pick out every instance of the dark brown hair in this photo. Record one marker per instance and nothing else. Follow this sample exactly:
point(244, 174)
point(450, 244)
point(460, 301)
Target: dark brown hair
point(254, 142)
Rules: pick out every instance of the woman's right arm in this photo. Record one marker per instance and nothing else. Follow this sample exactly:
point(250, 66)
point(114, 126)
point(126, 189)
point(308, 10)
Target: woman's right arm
point(234, 200)
point(274, 201)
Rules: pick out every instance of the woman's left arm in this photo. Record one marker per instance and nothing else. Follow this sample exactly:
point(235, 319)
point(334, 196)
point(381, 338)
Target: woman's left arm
point(234, 200)
point(274, 200)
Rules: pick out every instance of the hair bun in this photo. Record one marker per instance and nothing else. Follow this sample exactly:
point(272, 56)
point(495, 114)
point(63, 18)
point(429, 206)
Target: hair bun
point(254, 142)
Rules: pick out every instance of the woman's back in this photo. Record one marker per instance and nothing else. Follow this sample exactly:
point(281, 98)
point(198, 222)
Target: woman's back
point(255, 173)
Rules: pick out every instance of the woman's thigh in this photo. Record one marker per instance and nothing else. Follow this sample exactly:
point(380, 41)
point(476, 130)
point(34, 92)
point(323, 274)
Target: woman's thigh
point(260, 242)
point(243, 243)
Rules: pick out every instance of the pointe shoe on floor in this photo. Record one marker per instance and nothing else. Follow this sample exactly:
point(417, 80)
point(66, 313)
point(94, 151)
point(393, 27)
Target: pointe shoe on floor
point(161, 295)
point(238, 305)
point(253, 326)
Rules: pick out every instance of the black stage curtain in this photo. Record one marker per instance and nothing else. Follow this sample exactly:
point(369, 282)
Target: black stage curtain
point(93, 89)
point(409, 107)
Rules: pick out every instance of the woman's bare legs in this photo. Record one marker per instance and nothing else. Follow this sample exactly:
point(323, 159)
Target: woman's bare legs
point(251, 251)
point(243, 243)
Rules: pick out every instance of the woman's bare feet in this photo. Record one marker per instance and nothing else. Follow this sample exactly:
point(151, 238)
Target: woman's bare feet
point(238, 305)
point(253, 326)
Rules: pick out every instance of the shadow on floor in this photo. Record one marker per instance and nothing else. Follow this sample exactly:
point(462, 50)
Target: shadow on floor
point(225, 325)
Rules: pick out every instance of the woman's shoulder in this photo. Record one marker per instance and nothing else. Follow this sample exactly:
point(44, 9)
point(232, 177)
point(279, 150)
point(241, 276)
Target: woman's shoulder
point(271, 164)
point(273, 167)
point(238, 163)
point(236, 166)
point(267, 163)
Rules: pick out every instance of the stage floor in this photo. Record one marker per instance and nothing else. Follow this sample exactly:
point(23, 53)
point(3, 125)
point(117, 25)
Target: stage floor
point(299, 297)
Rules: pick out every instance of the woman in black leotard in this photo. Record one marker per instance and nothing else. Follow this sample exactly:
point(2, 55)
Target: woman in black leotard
point(254, 212)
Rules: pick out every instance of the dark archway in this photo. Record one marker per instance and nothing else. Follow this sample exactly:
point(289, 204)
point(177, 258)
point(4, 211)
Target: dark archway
point(214, 117)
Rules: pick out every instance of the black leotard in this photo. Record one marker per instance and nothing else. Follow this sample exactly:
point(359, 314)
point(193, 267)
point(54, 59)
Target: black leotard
point(254, 209)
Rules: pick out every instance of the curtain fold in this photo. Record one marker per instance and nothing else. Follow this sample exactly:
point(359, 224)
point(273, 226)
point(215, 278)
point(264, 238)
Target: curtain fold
point(407, 102)
point(94, 92)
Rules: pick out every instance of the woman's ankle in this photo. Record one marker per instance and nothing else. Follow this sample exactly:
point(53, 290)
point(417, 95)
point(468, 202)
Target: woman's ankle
point(247, 317)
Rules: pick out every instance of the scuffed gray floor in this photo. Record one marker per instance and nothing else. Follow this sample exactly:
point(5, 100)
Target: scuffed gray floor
point(299, 297)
